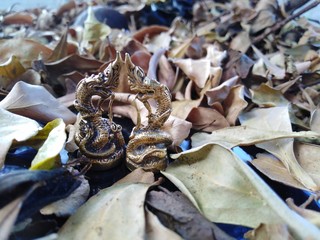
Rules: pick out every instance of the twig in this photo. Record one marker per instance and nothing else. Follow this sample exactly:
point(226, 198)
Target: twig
point(279, 25)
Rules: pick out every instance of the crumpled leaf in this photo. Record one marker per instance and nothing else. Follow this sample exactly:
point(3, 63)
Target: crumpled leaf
point(116, 212)
point(9, 71)
point(197, 70)
point(279, 73)
point(234, 104)
point(220, 93)
point(207, 119)
point(265, 96)
point(277, 119)
point(238, 197)
point(37, 103)
point(48, 153)
point(61, 50)
point(14, 128)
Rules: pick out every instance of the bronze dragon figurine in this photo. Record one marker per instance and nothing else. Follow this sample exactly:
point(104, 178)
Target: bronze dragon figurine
point(147, 147)
point(99, 139)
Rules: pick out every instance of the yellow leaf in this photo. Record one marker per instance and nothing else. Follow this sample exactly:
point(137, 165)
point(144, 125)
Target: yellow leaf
point(9, 71)
point(49, 151)
point(14, 128)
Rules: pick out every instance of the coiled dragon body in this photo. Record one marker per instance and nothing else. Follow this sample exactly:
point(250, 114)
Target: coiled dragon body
point(98, 138)
point(147, 147)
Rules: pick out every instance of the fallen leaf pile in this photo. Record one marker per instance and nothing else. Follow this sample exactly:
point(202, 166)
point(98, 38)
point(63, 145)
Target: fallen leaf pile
point(244, 77)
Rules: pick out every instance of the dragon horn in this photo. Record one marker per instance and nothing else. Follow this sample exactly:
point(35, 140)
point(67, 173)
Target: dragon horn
point(128, 61)
point(118, 60)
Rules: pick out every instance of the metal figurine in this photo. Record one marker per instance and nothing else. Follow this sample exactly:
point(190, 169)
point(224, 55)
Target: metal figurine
point(99, 139)
point(147, 147)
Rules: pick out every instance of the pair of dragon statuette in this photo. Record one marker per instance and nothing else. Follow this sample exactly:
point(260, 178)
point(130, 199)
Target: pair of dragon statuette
point(100, 139)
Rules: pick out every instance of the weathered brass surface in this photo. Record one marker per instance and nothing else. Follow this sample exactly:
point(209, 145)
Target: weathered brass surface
point(99, 139)
point(147, 147)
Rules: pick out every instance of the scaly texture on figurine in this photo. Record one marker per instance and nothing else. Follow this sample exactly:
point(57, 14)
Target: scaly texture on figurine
point(99, 139)
point(147, 147)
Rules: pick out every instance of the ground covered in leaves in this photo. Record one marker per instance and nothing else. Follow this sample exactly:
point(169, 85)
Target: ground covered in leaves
point(244, 163)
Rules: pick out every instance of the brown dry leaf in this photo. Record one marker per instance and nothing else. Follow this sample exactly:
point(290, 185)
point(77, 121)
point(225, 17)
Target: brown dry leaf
point(221, 92)
point(180, 50)
point(149, 32)
point(10, 71)
point(207, 119)
point(277, 119)
point(182, 108)
point(166, 74)
point(176, 212)
point(14, 128)
point(178, 128)
point(238, 197)
point(269, 231)
point(61, 49)
point(25, 50)
point(72, 63)
point(37, 103)
point(23, 18)
point(241, 42)
point(234, 104)
point(197, 70)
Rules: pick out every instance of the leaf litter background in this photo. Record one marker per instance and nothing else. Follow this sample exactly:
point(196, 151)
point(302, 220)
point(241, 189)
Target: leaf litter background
point(241, 75)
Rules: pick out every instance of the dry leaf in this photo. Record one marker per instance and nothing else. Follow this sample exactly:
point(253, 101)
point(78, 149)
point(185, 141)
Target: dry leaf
point(269, 231)
point(277, 119)
point(197, 70)
point(238, 197)
point(37, 103)
point(234, 104)
point(116, 213)
point(266, 96)
point(207, 119)
point(14, 128)
point(221, 92)
point(48, 153)
point(25, 50)
point(9, 71)
point(61, 49)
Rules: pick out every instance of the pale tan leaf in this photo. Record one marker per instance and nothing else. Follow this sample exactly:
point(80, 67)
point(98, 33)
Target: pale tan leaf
point(8, 216)
point(221, 92)
point(238, 197)
point(277, 119)
point(138, 175)
point(197, 70)
point(279, 73)
point(315, 120)
point(245, 136)
point(275, 170)
point(14, 128)
point(116, 213)
point(37, 103)
point(269, 231)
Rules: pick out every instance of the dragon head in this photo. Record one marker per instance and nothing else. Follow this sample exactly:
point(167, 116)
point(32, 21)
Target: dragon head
point(138, 81)
point(112, 72)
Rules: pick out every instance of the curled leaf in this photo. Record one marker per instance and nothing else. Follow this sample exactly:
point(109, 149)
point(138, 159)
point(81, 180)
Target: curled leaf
point(14, 128)
point(9, 71)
